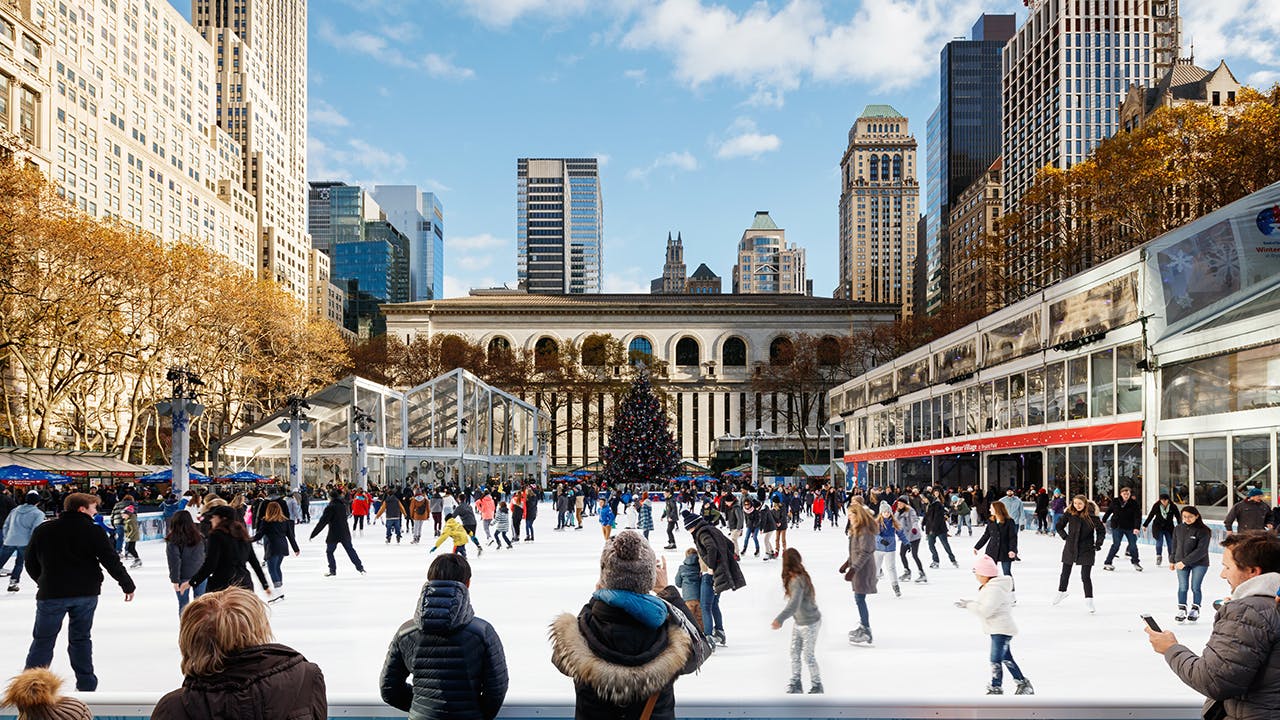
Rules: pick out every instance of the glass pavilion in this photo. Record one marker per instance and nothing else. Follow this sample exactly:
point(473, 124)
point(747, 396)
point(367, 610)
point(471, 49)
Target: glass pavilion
point(454, 427)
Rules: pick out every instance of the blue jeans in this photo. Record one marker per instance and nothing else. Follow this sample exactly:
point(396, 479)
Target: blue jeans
point(1164, 540)
point(712, 620)
point(185, 596)
point(863, 616)
point(44, 635)
point(1192, 576)
point(1002, 657)
point(351, 553)
point(1118, 534)
point(117, 536)
point(752, 534)
point(17, 551)
point(393, 525)
point(273, 569)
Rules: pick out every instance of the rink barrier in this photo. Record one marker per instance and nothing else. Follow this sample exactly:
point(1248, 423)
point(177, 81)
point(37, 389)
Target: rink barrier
point(122, 706)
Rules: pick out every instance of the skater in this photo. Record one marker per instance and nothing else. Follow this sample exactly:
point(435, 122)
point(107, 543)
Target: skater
point(419, 513)
point(1189, 557)
point(780, 523)
point(1251, 513)
point(334, 517)
point(645, 516)
point(752, 523)
point(671, 513)
point(803, 608)
point(276, 532)
point(607, 519)
point(734, 518)
point(1042, 512)
point(21, 522)
point(994, 605)
point(227, 552)
point(910, 523)
point(962, 511)
point(1126, 517)
point(1000, 537)
point(437, 512)
point(626, 647)
point(393, 509)
point(768, 526)
point(184, 550)
point(888, 534)
point(455, 532)
point(689, 580)
point(132, 534)
point(530, 511)
point(1014, 505)
point(445, 662)
point(1083, 534)
point(1163, 519)
point(860, 568)
point(936, 528)
point(467, 517)
point(486, 506)
point(359, 510)
point(232, 669)
point(1057, 506)
point(720, 556)
point(502, 526)
point(517, 512)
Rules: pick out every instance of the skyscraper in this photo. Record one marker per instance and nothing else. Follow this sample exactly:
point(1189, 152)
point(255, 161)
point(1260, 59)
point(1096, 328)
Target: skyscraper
point(559, 225)
point(1065, 75)
point(879, 210)
point(766, 263)
point(260, 48)
point(963, 138)
point(673, 270)
point(420, 217)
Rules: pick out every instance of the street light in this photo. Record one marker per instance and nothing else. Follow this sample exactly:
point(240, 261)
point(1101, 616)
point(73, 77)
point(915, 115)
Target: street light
point(295, 423)
point(543, 435)
point(756, 436)
point(360, 438)
point(182, 407)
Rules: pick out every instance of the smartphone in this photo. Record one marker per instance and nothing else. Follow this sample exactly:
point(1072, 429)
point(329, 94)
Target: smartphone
point(1151, 623)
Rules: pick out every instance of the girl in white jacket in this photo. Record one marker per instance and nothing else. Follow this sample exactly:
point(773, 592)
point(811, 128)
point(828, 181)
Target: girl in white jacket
point(995, 607)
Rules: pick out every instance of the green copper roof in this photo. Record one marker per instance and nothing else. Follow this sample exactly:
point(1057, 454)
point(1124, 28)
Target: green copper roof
point(885, 111)
point(763, 221)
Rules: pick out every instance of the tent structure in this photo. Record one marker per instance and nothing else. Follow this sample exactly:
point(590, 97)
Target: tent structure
point(245, 476)
point(166, 475)
point(22, 476)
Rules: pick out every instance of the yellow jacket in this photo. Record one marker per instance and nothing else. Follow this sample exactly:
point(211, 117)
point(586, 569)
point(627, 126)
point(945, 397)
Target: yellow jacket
point(454, 531)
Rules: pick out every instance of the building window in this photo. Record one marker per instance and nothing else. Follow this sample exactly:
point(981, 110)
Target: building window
point(27, 115)
point(545, 353)
point(499, 350)
point(780, 351)
point(640, 350)
point(594, 350)
point(687, 353)
point(734, 353)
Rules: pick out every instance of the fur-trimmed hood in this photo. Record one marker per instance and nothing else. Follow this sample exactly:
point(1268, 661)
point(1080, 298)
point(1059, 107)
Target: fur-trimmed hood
point(613, 680)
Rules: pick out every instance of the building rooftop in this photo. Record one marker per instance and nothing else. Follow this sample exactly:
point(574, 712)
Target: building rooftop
point(526, 303)
point(704, 273)
point(762, 221)
point(881, 111)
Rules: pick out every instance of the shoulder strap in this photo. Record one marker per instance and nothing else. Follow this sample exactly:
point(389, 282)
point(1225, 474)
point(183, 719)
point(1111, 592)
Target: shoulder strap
point(648, 706)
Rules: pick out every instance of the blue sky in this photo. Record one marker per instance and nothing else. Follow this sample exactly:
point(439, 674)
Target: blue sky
point(701, 113)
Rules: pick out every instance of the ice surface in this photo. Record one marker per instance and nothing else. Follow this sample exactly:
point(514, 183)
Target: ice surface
point(924, 646)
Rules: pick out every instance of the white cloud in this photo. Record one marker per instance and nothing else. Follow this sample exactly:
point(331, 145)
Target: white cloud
point(358, 162)
point(322, 113)
point(745, 140)
point(435, 185)
point(602, 159)
point(483, 241)
point(1263, 79)
point(502, 13)
point(674, 161)
point(636, 74)
point(443, 68)
point(459, 286)
point(1232, 29)
point(624, 282)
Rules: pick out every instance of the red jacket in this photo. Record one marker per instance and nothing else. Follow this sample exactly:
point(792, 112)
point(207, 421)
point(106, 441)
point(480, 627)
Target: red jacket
point(360, 504)
point(819, 505)
point(486, 507)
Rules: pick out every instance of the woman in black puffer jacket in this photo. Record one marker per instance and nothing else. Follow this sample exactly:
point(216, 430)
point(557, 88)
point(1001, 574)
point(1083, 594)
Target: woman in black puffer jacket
point(227, 552)
point(1083, 533)
point(453, 658)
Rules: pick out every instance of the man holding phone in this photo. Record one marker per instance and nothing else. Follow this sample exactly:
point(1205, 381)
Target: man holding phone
point(1239, 672)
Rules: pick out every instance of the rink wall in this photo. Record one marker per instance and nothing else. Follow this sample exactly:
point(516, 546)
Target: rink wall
point(119, 706)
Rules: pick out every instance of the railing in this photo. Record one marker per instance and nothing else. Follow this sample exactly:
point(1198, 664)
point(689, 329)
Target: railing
point(122, 706)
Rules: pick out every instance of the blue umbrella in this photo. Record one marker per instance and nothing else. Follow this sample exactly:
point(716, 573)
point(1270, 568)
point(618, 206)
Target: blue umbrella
point(245, 476)
point(20, 475)
point(166, 475)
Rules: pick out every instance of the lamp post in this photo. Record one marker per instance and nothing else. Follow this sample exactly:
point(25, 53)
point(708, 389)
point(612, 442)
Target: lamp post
point(360, 438)
point(756, 436)
point(462, 451)
point(295, 423)
point(182, 407)
point(542, 456)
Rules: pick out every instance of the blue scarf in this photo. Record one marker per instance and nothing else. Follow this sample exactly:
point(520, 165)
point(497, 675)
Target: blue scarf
point(648, 610)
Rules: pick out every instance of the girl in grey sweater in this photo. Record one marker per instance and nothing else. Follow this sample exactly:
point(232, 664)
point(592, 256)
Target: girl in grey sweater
point(803, 608)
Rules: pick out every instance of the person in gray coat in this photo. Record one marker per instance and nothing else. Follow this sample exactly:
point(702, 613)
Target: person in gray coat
point(860, 568)
point(1239, 672)
point(16, 535)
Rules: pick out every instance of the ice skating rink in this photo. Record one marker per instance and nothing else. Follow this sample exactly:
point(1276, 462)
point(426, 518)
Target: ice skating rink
point(924, 646)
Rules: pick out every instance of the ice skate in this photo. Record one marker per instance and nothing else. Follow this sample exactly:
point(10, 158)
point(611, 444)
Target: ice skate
point(794, 687)
point(921, 578)
point(1058, 597)
point(905, 576)
point(1182, 613)
point(13, 586)
point(815, 689)
point(897, 591)
point(1024, 688)
point(994, 690)
point(1088, 603)
point(860, 636)
point(1109, 567)
point(933, 566)
point(1194, 613)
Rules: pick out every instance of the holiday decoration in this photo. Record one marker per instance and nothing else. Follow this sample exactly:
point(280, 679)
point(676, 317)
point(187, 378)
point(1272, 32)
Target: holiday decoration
point(640, 447)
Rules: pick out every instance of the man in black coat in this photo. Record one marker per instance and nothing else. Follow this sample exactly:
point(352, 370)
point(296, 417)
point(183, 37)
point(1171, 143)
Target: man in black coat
point(1126, 517)
point(936, 528)
point(335, 518)
point(454, 659)
point(65, 557)
point(720, 555)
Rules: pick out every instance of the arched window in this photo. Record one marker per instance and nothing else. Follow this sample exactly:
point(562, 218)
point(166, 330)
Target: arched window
point(780, 351)
point(545, 353)
point(499, 349)
point(640, 350)
point(875, 168)
point(687, 352)
point(884, 167)
point(897, 167)
point(735, 353)
point(595, 350)
point(828, 351)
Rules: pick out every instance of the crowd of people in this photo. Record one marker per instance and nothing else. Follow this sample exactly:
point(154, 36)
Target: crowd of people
point(642, 628)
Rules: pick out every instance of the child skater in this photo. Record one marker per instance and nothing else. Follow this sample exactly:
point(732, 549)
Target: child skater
point(501, 526)
point(995, 607)
point(607, 519)
point(803, 608)
point(453, 530)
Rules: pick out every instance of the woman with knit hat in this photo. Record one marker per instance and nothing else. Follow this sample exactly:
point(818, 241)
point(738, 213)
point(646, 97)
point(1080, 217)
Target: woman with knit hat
point(994, 605)
point(629, 643)
point(860, 568)
point(888, 534)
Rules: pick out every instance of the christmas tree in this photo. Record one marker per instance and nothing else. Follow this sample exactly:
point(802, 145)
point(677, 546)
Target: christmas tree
point(640, 447)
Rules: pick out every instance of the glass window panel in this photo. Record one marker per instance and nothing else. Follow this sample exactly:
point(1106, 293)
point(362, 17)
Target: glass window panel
point(972, 410)
point(1129, 467)
point(1246, 380)
point(1001, 387)
point(1104, 471)
point(1100, 308)
point(1017, 400)
point(1175, 470)
point(957, 409)
point(1077, 388)
point(936, 430)
point(1035, 396)
point(1210, 475)
point(1101, 383)
point(1054, 388)
point(988, 421)
point(1078, 470)
point(1128, 379)
point(947, 417)
point(1056, 470)
point(1250, 464)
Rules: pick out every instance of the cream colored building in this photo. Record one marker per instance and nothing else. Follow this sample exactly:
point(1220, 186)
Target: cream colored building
point(1184, 83)
point(710, 345)
point(879, 210)
point(766, 263)
point(25, 49)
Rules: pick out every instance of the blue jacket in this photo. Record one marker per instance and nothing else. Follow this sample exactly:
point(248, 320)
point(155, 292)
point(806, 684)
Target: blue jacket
point(887, 537)
point(607, 516)
point(20, 524)
point(689, 578)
